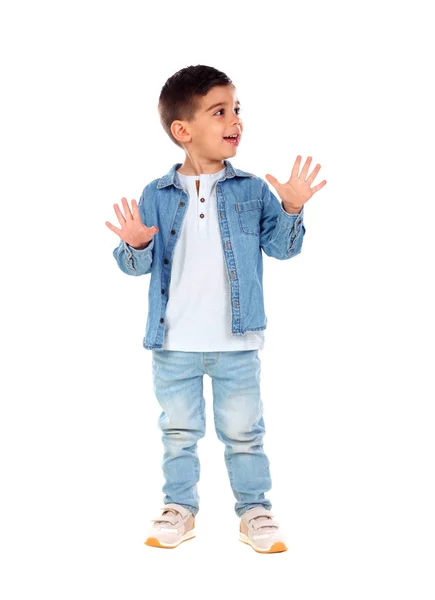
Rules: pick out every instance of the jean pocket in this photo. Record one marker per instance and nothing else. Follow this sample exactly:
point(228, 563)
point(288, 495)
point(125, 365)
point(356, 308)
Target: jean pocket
point(249, 213)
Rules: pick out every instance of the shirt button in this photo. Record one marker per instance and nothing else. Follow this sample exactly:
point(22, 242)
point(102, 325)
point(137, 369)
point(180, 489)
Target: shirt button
point(181, 203)
point(166, 261)
point(163, 291)
point(201, 215)
point(172, 231)
point(161, 320)
point(202, 199)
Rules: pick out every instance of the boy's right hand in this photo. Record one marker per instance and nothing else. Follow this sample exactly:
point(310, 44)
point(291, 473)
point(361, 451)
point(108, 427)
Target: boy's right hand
point(132, 231)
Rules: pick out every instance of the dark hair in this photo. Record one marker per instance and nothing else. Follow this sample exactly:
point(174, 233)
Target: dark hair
point(178, 97)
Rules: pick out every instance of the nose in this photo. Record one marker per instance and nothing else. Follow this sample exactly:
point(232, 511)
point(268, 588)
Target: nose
point(238, 121)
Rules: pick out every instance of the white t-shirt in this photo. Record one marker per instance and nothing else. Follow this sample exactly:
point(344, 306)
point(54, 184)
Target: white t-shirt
point(198, 314)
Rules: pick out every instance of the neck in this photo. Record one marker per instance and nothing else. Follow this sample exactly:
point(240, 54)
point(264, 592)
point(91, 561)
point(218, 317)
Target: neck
point(198, 166)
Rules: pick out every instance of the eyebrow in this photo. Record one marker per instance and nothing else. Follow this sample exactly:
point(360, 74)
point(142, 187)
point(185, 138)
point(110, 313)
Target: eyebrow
point(220, 104)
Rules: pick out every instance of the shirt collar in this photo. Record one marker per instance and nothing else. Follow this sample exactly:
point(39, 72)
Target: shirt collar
point(230, 172)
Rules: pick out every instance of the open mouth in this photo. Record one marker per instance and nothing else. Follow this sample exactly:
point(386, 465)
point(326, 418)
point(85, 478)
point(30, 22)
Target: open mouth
point(233, 139)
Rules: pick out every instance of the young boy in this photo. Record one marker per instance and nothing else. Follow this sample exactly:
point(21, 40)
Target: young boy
point(199, 230)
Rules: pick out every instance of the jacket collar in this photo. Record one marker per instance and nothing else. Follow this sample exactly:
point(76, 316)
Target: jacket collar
point(230, 171)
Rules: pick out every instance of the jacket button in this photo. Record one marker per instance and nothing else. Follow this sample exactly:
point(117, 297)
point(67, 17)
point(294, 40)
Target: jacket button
point(181, 203)
point(163, 291)
point(161, 320)
point(202, 199)
point(201, 215)
point(172, 231)
point(166, 261)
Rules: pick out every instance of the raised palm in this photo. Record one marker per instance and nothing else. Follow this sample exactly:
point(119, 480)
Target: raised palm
point(132, 231)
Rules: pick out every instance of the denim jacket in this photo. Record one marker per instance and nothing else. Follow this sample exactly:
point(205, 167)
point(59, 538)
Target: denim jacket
point(251, 220)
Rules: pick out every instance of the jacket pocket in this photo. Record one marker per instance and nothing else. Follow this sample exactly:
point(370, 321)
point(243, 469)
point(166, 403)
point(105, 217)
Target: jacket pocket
point(249, 213)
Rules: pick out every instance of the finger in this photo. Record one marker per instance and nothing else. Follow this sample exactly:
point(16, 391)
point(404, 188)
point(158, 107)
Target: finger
point(119, 215)
point(318, 187)
point(305, 168)
point(313, 174)
point(128, 215)
point(295, 170)
point(113, 228)
point(273, 181)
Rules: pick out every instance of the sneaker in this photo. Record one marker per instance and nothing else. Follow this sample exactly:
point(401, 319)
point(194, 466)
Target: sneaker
point(259, 529)
point(175, 525)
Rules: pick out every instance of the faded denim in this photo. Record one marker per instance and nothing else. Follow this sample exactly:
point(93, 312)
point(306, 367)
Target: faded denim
point(238, 421)
point(251, 220)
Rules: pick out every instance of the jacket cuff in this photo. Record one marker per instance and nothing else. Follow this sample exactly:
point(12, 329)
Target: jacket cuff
point(136, 257)
point(288, 221)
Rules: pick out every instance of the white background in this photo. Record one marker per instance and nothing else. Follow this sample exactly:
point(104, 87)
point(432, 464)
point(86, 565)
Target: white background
point(348, 365)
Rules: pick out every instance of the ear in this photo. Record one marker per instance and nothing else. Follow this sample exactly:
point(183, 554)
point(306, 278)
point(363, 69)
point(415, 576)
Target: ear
point(180, 131)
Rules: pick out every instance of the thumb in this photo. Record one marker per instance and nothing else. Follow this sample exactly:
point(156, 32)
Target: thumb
point(273, 181)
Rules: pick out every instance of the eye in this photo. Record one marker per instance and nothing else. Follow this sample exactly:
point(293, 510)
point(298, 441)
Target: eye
point(221, 109)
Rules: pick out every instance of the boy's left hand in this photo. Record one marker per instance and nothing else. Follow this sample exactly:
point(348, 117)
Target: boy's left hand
point(297, 190)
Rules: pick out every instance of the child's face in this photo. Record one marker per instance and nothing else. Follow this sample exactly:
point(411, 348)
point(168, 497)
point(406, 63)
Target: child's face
point(204, 135)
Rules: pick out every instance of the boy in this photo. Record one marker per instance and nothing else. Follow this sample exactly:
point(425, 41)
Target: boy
point(199, 230)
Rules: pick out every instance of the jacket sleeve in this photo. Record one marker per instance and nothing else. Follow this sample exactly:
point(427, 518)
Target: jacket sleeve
point(130, 260)
point(281, 234)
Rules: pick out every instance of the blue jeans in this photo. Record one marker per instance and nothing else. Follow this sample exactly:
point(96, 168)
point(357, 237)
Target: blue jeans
point(238, 419)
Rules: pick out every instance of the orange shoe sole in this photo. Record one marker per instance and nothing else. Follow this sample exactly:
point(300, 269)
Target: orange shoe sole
point(277, 547)
point(153, 541)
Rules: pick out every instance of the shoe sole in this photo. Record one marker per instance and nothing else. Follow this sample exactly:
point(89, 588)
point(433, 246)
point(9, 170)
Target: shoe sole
point(277, 546)
point(153, 541)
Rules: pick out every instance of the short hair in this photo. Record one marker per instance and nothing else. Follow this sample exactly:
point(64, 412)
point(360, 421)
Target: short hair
point(178, 97)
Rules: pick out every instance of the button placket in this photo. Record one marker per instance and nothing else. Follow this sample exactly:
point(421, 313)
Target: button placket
point(165, 277)
point(198, 188)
